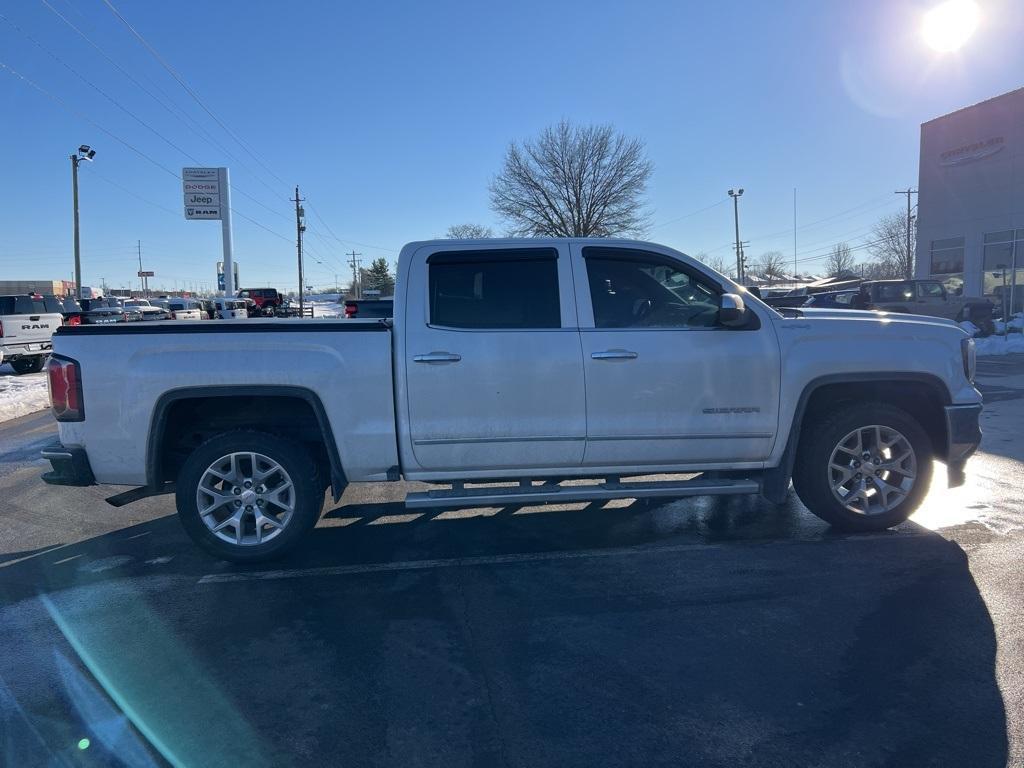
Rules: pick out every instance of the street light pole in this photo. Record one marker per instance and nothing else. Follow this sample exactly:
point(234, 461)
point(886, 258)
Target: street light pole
point(85, 152)
point(78, 247)
point(735, 195)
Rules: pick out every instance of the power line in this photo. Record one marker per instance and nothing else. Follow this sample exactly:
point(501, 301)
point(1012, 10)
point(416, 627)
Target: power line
point(99, 90)
point(188, 89)
point(690, 215)
point(89, 120)
point(348, 242)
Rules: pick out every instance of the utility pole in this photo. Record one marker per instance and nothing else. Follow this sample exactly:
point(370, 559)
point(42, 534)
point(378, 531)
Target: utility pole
point(794, 237)
point(300, 227)
point(910, 257)
point(142, 279)
point(735, 195)
point(357, 287)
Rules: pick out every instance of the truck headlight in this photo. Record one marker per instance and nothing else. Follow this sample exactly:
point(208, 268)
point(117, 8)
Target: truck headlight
point(970, 357)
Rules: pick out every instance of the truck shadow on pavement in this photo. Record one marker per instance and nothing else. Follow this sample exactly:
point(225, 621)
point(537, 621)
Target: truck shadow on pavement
point(660, 633)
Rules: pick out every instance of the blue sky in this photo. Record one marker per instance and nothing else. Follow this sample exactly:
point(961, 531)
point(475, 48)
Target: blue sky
point(393, 117)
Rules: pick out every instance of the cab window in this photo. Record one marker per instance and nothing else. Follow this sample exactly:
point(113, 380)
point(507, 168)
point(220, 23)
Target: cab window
point(633, 289)
point(930, 290)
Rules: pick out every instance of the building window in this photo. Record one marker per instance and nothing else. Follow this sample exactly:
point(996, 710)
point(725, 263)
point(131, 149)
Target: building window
point(947, 256)
point(1004, 251)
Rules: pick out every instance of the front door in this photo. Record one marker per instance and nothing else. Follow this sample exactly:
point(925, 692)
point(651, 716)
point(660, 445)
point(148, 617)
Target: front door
point(666, 384)
point(492, 356)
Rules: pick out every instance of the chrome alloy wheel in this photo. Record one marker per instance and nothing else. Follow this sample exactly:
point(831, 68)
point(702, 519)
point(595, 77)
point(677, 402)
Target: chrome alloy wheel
point(245, 498)
point(872, 469)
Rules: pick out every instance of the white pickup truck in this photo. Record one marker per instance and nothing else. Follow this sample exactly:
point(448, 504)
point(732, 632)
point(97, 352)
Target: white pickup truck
point(27, 323)
point(509, 367)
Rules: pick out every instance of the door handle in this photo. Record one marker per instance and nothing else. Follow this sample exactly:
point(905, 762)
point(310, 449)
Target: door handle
point(34, 317)
point(614, 354)
point(438, 357)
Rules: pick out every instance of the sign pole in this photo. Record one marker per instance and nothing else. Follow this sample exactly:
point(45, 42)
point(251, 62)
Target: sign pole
point(225, 222)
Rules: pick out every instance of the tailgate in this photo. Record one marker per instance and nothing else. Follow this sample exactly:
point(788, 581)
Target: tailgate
point(28, 329)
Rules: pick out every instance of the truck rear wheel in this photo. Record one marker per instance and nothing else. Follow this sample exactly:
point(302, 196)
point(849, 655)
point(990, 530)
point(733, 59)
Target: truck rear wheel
point(864, 468)
point(28, 364)
point(248, 496)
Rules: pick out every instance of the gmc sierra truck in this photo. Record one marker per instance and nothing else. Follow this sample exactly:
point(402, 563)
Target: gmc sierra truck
point(509, 367)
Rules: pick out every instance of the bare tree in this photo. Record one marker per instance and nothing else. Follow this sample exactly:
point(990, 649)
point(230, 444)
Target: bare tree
point(840, 260)
point(573, 181)
point(888, 245)
point(717, 263)
point(771, 265)
point(468, 232)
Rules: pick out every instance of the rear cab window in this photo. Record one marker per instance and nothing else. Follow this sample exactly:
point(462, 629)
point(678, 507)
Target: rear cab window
point(495, 289)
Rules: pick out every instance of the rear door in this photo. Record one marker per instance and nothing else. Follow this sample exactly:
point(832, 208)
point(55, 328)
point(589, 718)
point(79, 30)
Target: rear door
point(666, 384)
point(494, 375)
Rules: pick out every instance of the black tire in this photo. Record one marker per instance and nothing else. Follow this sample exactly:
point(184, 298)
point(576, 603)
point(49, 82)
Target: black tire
point(986, 326)
point(28, 364)
point(820, 437)
point(290, 455)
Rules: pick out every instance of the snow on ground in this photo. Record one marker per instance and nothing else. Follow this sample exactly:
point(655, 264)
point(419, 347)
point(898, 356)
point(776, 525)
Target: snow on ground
point(1002, 343)
point(327, 309)
point(21, 394)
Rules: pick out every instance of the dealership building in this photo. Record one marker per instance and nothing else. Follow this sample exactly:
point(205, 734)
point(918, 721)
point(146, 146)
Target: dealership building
point(970, 223)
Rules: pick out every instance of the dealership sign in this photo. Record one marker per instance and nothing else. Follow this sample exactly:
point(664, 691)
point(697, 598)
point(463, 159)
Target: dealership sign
point(968, 153)
point(201, 187)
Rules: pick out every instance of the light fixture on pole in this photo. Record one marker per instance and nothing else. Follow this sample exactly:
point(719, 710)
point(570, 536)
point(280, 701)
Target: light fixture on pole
point(85, 152)
point(735, 195)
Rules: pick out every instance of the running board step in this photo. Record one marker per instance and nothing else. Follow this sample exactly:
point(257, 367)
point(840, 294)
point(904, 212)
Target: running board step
point(557, 494)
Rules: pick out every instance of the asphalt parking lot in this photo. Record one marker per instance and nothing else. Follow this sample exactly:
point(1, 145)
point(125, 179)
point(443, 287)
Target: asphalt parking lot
point(693, 632)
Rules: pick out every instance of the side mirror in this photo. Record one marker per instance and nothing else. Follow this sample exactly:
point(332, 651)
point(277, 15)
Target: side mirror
point(732, 312)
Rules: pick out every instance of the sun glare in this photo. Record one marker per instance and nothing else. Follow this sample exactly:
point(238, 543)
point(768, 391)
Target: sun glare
point(948, 26)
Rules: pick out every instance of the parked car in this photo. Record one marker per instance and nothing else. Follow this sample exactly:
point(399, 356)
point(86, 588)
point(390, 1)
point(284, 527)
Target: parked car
point(784, 298)
point(148, 311)
point(229, 309)
point(831, 300)
point(98, 311)
point(925, 297)
point(70, 309)
point(265, 299)
point(499, 365)
point(209, 309)
point(369, 308)
point(27, 324)
point(185, 309)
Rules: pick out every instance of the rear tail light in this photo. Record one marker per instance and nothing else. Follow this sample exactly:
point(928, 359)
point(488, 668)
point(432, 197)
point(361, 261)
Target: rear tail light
point(74, 320)
point(351, 310)
point(173, 316)
point(1, 328)
point(65, 378)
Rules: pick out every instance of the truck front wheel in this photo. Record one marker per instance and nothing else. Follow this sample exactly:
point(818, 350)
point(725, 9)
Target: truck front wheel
point(248, 496)
point(863, 468)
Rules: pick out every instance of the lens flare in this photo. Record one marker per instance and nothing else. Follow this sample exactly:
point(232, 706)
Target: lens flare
point(948, 26)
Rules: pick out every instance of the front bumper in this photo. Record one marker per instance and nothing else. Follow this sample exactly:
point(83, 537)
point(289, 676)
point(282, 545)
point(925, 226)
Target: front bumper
point(70, 466)
point(963, 435)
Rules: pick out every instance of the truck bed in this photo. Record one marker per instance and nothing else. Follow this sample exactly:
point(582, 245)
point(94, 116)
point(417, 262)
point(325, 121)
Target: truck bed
point(344, 364)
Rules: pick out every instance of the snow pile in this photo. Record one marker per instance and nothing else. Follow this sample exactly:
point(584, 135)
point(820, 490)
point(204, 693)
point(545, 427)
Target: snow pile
point(21, 394)
point(1002, 343)
point(1010, 344)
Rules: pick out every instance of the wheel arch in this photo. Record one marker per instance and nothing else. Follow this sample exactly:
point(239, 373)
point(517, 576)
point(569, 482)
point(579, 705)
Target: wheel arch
point(923, 395)
point(170, 402)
